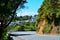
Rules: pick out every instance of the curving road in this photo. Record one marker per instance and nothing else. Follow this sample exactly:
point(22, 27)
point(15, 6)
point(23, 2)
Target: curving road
point(32, 36)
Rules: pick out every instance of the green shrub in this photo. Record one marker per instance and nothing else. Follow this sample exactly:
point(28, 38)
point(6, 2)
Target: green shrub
point(24, 26)
point(58, 29)
point(47, 30)
point(5, 37)
point(30, 26)
point(13, 28)
point(27, 28)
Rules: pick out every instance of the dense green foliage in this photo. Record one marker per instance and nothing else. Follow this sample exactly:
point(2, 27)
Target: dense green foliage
point(8, 10)
point(12, 28)
point(23, 26)
point(27, 26)
point(47, 29)
point(58, 29)
point(50, 11)
point(9, 7)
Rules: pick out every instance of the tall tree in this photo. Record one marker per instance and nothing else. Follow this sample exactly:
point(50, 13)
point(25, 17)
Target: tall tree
point(49, 10)
point(49, 13)
point(8, 10)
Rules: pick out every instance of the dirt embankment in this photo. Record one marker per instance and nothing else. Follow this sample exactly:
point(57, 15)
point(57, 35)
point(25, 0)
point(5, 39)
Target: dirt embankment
point(41, 26)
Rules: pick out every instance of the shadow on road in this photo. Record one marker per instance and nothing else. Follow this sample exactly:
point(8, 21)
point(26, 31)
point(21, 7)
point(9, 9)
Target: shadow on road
point(10, 38)
point(19, 34)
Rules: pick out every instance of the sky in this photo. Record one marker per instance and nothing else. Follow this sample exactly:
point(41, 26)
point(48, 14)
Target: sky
point(31, 8)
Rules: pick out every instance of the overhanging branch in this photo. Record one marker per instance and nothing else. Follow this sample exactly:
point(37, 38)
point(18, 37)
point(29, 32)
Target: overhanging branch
point(14, 8)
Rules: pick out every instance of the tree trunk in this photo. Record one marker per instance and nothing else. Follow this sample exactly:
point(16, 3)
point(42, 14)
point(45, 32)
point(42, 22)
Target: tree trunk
point(3, 32)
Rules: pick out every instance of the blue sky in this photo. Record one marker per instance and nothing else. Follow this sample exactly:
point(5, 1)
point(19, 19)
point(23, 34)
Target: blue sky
point(31, 8)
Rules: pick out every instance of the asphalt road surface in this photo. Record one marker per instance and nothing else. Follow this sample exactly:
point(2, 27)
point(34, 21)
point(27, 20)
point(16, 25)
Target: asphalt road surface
point(32, 36)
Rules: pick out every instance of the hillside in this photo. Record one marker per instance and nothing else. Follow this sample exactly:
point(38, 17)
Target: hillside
point(48, 20)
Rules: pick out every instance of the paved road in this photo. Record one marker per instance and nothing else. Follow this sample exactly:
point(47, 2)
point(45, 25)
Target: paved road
point(33, 36)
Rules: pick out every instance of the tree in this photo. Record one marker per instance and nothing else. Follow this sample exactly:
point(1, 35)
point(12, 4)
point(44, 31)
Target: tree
point(49, 13)
point(50, 10)
point(8, 10)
